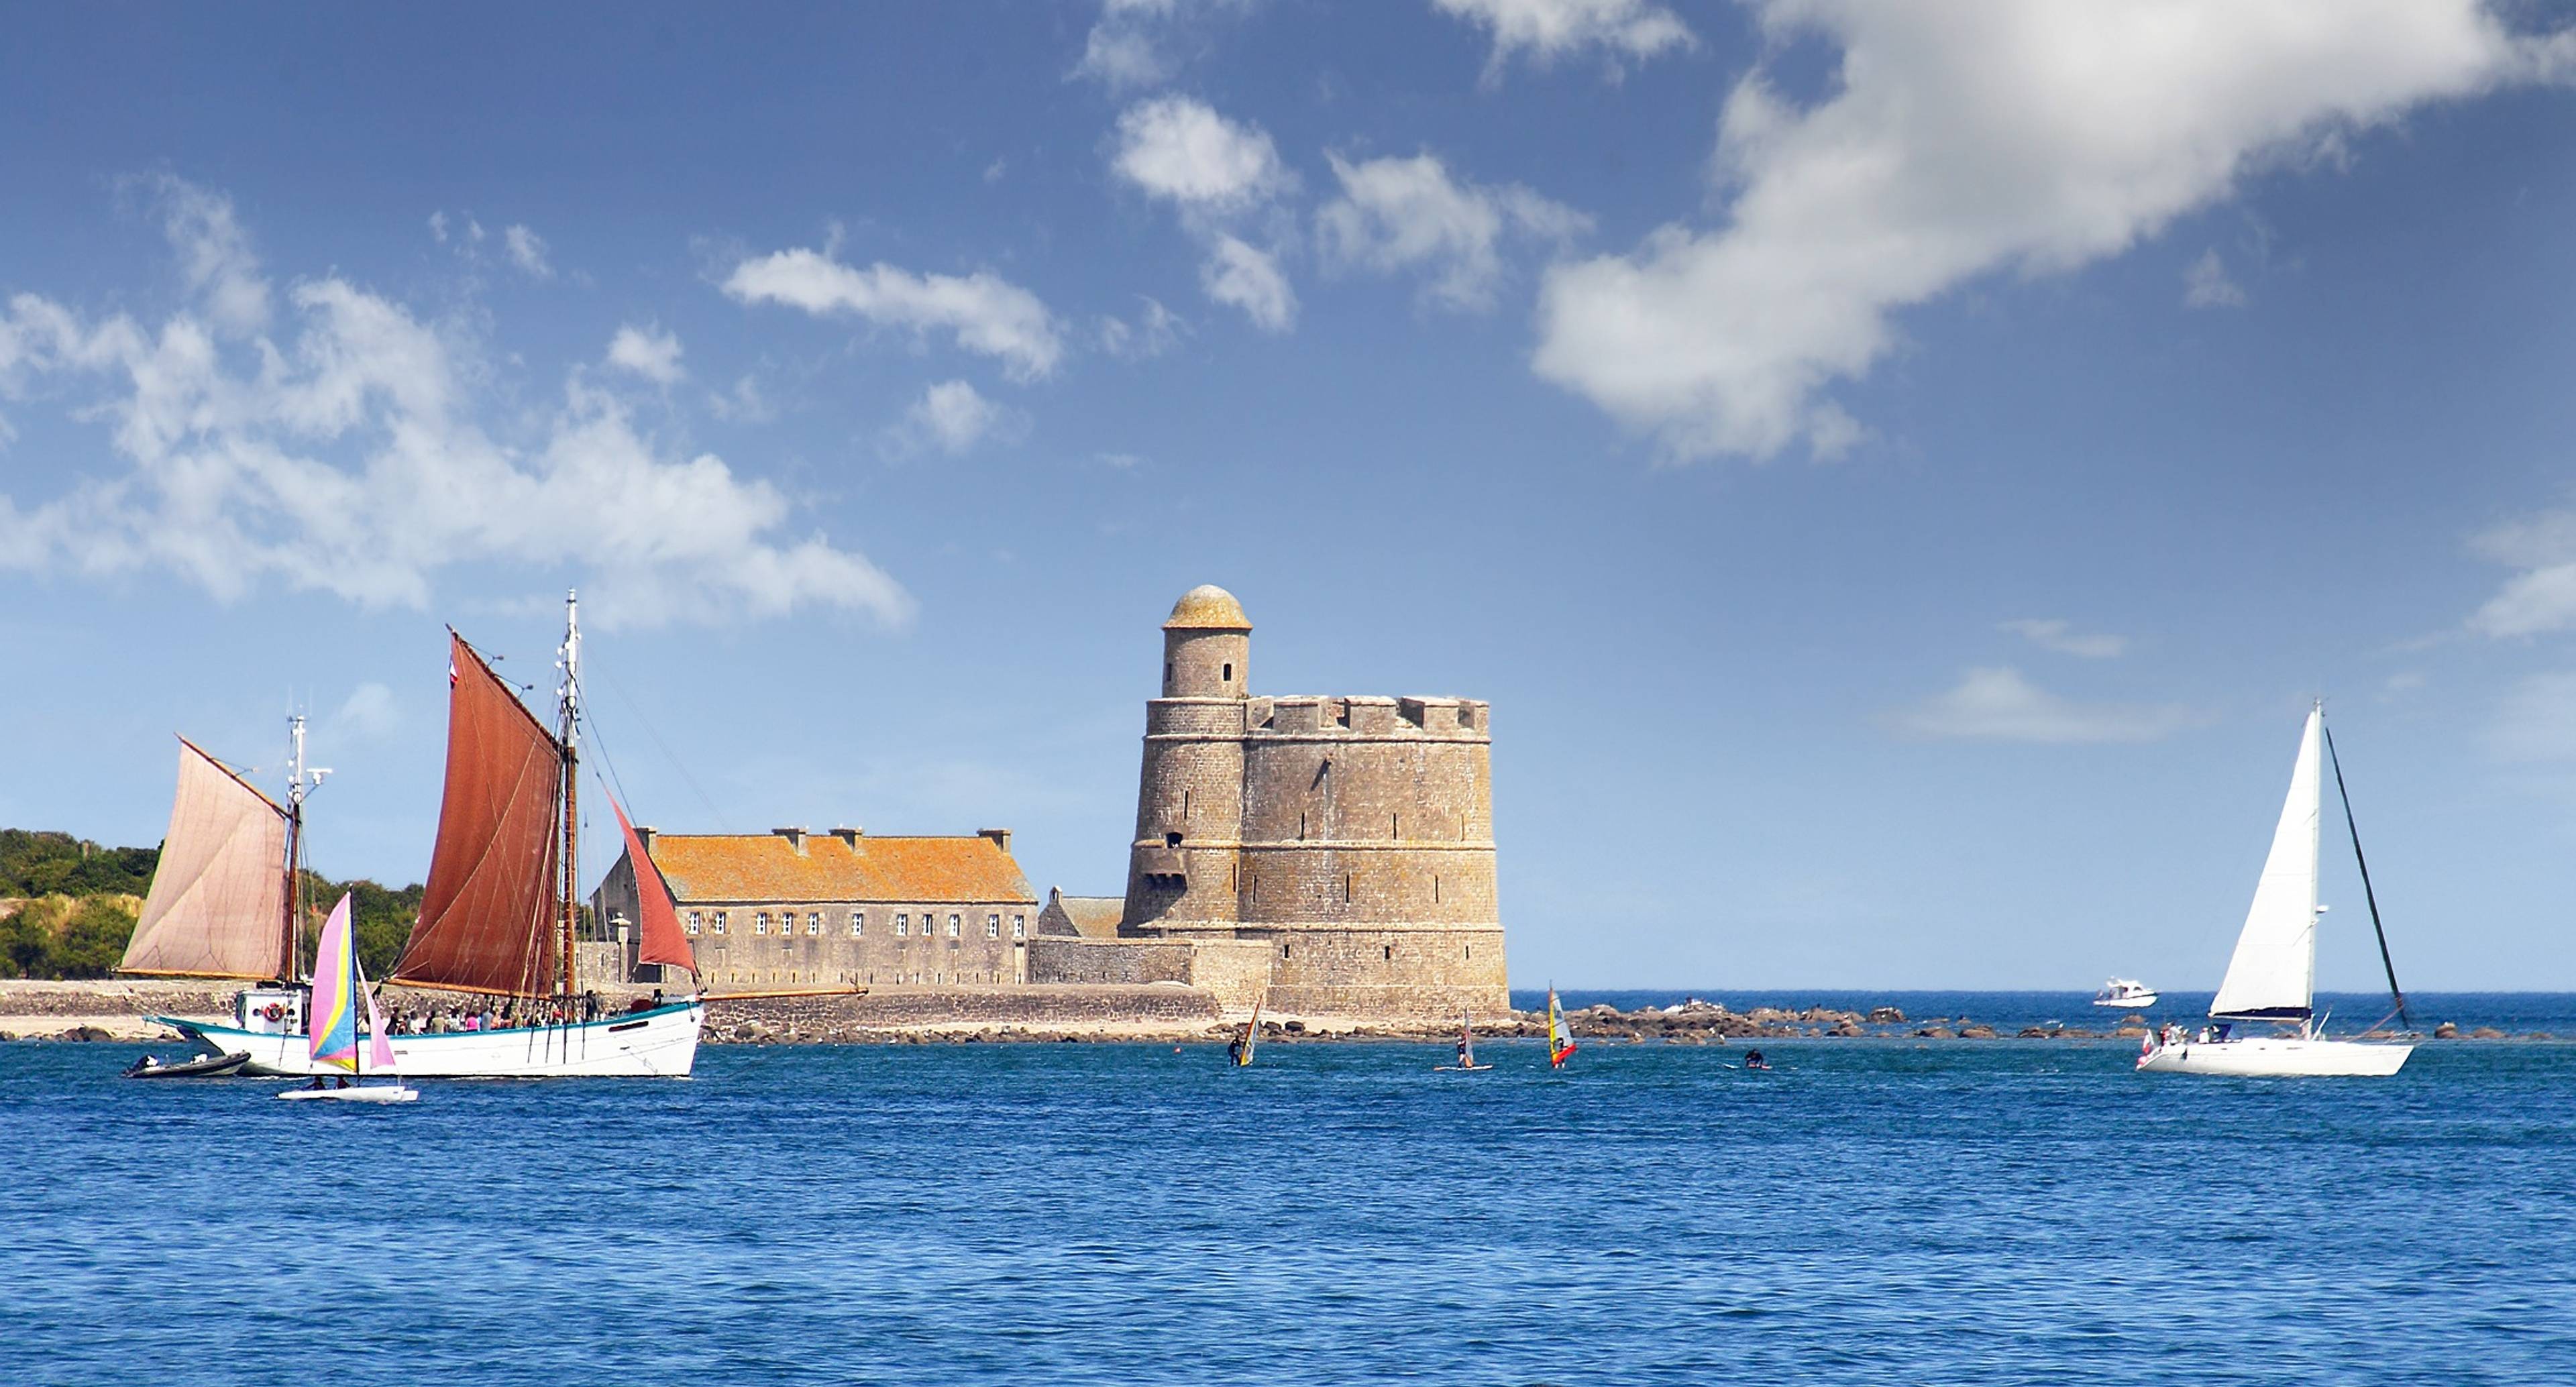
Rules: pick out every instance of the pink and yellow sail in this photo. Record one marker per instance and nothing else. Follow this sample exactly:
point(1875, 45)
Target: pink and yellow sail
point(332, 1017)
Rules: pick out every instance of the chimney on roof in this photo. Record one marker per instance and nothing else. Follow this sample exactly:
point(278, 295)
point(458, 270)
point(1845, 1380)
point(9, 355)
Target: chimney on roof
point(795, 838)
point(644, 837)
point(1001, 838)
point(850, 836)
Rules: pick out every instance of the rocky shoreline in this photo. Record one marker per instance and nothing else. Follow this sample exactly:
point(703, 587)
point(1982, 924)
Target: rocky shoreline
point(114, 1010)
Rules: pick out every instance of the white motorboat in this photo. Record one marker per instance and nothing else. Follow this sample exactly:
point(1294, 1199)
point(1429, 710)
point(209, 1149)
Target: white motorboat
point(2271, 978)
point(2125, 992)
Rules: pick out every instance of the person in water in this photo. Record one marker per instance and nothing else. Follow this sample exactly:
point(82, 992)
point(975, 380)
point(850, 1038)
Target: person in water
point(1234, 1051)
point(1753, 1060)
point(1462, 1052)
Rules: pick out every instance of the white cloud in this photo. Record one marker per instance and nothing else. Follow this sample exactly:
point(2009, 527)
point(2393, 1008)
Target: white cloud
point(2061, 636)
point(2025, 135)
point(951, 417)
point(348, 457)
point(2205, 284)
point(367, 714)
point(1156, 330)
point(1130, 45)
point(2536, 719)
point(1179, 149)
point(527, 250)
point(214, 255)
point(1550, 29)
point(2536, 601)
point(648, 352)
point(1216, 172)
point(1243, 277)
point(1397, 214)
point(987, 314)
point(745, 403)
point(1999, 705)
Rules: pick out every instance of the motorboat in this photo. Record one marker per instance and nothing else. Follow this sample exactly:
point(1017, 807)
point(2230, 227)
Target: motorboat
point(201, 1067)
point(2125, 992)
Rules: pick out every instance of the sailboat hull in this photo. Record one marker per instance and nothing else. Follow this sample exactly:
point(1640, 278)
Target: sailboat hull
point(2285, 1057)
point(661, 1043)
point(380, 1094)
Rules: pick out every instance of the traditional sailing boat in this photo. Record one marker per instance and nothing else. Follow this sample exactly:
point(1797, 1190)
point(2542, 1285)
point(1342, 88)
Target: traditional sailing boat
point(1466, 1050)
point(498, 916)
point(2272, 975)
point(226, 893)
point(1560, 1037)
point(331, 1038)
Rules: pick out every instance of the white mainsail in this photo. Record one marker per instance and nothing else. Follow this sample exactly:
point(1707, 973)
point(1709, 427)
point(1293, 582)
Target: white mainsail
point(2273, 971)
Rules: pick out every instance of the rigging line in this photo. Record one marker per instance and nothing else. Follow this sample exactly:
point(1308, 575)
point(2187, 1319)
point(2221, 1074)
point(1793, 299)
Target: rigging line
point(2367, 894)
point(718, 815)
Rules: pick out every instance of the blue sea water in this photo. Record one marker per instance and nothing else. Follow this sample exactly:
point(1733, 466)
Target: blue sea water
point(1872, 1211)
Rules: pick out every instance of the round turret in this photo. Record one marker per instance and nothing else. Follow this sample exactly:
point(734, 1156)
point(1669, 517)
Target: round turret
point(1207, 646)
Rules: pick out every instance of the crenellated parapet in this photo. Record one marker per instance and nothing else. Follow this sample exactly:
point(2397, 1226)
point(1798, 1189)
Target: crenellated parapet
point(1353, 835)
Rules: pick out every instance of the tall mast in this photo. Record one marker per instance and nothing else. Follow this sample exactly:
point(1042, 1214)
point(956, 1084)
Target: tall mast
point(568, 708)
point(292, 943)
point(299, 783)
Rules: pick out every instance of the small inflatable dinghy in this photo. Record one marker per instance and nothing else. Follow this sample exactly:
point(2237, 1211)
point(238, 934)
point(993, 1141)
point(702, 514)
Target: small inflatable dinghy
point(202, 1067)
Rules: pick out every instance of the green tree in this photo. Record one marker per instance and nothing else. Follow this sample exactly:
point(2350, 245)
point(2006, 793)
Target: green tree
point(92, 942)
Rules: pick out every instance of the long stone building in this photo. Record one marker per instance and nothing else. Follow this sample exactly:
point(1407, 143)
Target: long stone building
point(789, 908)
point(1339, 847)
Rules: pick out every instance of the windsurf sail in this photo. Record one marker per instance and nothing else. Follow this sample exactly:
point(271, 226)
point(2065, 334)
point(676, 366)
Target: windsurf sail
point(1560, 1037)
point(1251, 1036)
point(331, 1018)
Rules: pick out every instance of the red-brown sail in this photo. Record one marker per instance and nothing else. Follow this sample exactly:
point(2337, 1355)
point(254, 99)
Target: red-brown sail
point(487, 917)
point(659, 937)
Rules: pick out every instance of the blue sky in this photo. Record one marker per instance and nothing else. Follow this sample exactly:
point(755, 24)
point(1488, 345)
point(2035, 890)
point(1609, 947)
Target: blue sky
point(1898, 472)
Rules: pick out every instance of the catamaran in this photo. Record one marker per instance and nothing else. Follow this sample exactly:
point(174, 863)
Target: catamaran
point(331, 1037)
point(498, 916)
point(2271, 977)
point(1560, 1036)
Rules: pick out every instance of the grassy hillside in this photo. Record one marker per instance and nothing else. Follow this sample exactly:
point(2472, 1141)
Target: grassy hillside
point(68, 906)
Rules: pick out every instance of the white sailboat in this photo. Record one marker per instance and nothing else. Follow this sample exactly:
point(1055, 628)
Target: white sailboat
point(2271, 977)
point(498, 916)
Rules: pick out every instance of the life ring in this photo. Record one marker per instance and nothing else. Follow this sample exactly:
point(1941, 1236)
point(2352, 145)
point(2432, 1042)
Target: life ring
point(273, 1012)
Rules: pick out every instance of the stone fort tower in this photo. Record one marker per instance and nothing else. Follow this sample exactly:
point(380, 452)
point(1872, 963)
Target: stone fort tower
point(1352, 835)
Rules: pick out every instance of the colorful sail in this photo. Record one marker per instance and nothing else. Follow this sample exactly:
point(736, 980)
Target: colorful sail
point(487, 917)
point(1560, 1037)
point(218, 902)
point(331, 1018)
point(660, 939)
point(380, 1049)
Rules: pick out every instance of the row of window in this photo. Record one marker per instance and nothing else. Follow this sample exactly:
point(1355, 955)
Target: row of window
point(714, 922)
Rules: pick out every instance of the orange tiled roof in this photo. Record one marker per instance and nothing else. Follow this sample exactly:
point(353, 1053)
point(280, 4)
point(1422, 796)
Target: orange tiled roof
point(766, 867)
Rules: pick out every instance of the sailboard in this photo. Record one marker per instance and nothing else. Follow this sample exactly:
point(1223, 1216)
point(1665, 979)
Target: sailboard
point(1560, 1037)
point(1466, 1051)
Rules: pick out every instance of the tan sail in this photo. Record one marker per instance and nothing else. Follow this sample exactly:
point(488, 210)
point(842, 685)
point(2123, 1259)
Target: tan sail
point(218, 902)
point(487, 917)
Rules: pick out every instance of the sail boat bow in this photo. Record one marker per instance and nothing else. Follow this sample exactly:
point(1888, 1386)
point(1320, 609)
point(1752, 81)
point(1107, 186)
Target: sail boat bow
point(2271, 977)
